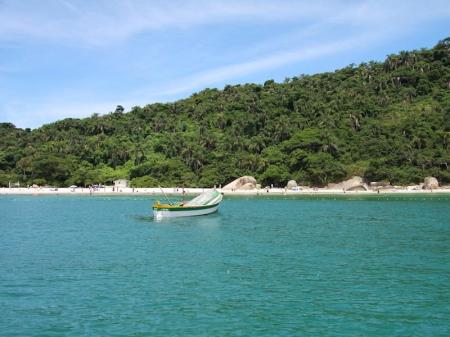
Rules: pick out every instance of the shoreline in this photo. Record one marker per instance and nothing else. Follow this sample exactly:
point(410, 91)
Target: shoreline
point(173, 191)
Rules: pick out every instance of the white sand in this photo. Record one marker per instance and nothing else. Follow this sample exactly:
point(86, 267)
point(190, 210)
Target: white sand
point(192, 191)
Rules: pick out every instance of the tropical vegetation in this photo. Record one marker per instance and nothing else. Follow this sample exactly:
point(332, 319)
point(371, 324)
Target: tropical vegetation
point(385, 121)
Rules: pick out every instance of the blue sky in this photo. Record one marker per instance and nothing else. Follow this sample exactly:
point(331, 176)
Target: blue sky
point(69, 58)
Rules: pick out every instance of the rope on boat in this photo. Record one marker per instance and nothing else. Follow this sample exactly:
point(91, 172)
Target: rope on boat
point(165, 196)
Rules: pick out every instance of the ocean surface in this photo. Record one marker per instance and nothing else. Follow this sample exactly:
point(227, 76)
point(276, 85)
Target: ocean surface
point(309, 266)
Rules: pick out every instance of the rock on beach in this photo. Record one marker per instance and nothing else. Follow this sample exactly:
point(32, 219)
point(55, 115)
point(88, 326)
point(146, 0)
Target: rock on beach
point(245, 182)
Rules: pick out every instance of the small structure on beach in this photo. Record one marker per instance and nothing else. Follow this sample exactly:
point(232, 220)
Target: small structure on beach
point(121, 183)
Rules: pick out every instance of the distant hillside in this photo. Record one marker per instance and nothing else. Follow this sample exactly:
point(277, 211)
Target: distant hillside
point(384, 121)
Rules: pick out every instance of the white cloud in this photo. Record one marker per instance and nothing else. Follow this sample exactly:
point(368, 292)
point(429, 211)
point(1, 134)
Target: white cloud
point(105, 22)
point(374, 22)
point(266, 62)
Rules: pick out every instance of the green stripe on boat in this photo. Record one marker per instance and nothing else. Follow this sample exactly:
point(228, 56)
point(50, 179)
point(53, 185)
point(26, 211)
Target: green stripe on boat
point(181, 208)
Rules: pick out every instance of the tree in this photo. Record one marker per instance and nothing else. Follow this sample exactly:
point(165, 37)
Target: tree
point(119, 110)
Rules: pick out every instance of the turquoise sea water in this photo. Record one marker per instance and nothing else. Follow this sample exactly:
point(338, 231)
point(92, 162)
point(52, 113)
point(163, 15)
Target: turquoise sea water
point(311, 266)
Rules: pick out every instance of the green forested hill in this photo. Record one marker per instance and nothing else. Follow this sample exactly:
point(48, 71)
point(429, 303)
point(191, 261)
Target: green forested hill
point(382, 120)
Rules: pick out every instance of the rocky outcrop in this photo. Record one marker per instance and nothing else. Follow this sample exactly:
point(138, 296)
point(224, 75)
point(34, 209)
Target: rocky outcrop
point(353, 184)
point(245, 182)
point(374, 184)
point(414, 187)
point(430, 183)
point(362, 188)
point(291, 184)
point(380, 185)
point(247, 186)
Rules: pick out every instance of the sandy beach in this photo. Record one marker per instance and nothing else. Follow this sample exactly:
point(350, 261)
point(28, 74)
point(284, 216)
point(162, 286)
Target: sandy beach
point(173, 191)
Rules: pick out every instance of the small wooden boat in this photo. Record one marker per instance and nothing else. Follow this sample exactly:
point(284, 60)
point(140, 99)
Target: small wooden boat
point(206, 203)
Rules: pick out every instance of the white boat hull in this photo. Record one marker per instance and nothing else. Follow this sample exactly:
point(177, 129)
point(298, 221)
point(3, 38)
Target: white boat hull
point(159, 214)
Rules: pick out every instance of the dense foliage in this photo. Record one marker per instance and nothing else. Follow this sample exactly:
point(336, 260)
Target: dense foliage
point(382, 120)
